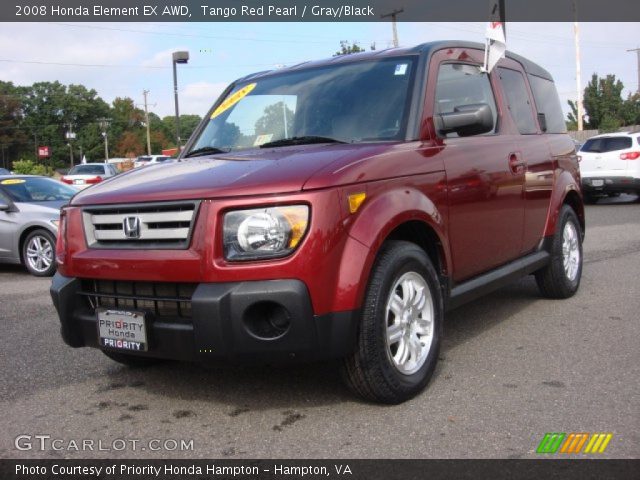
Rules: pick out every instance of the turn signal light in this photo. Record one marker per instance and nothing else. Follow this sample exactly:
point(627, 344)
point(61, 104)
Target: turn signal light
point(66, 180)
point(629, 156)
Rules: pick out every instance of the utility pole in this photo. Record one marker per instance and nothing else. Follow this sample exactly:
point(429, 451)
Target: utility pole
point(393, 15)
point(70, 135)
point(104, 126)
point(576, 33)
point(146, 120)
point(637, 50)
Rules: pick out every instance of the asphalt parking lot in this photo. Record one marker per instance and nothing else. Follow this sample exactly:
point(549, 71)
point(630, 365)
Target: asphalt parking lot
point(513, 367)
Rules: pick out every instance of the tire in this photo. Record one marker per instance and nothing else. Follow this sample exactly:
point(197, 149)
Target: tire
point(132, 361)
point(561, 278)
point(39, 253)
point(375, 370)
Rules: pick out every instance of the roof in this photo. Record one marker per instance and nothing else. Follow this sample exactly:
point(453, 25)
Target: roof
point(424, 48)
point(616, 134)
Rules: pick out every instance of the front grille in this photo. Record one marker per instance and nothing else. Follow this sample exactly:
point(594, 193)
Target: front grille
point(164, 299)
point(150, 225)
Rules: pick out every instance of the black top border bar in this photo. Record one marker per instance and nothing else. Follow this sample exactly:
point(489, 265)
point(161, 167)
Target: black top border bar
point(314, 10)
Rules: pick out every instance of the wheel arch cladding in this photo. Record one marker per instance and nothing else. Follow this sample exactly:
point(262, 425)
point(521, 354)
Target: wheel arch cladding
point(566, 192)
point(415, 219)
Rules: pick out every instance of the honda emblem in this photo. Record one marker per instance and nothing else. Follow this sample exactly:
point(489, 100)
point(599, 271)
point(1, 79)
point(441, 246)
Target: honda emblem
point(131, 227)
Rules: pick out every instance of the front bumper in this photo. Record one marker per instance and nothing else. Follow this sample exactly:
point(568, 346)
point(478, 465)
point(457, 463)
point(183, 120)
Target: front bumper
point(620, 184)
point(228, 321)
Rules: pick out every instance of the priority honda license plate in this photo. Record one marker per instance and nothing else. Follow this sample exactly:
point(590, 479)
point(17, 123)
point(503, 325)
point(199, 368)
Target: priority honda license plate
point(597, 183)
point(122, 330)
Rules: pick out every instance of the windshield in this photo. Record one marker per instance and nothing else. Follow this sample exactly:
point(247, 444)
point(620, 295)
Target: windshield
point(354, 102)
point(36, 189)
point(87, 170)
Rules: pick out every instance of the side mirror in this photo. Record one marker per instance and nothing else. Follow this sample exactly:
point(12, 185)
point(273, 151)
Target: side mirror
point(4, 207)
point(466, 120)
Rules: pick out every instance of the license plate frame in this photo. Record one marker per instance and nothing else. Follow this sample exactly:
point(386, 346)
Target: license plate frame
point(122, 330)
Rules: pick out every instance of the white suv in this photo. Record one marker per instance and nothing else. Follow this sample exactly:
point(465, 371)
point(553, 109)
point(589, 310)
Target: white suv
point(610, 165)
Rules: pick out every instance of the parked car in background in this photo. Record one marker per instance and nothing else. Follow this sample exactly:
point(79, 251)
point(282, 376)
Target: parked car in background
point(145, 160)
point(610, 165)
point(29, 215)
point(4, 171)
point(87, 174)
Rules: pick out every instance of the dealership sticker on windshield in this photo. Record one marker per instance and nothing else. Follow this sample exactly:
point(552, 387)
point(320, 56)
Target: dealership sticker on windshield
point(233, 99)
point(401, 69)
point(12, 181)
point(260, 139)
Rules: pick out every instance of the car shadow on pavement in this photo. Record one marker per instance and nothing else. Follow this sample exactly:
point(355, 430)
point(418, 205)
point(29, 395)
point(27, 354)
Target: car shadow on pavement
point(265, 387)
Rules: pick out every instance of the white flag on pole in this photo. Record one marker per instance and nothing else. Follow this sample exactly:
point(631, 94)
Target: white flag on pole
point(84, 159)
point(495, 47)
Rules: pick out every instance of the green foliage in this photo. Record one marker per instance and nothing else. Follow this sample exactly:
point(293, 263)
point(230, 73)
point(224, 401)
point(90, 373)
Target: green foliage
point(27, 167)
point(42, 113)
point(605, 110)
point(346, 48)
point(188, 124)
point(273, 121)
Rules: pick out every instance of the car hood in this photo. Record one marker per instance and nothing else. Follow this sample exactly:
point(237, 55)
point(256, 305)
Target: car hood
point(248, 172)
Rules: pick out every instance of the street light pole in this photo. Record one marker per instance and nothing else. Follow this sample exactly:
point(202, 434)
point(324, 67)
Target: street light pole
point(394, 15)
point(178, 57)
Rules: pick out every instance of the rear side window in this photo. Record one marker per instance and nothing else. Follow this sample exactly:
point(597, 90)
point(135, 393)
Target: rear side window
point(518, 100)
point(617, 143)
point(548, 102)
point(606, 144)
point(462, 84)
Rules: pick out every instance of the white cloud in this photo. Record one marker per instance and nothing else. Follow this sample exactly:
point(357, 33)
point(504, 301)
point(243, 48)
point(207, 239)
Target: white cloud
point(198, 97)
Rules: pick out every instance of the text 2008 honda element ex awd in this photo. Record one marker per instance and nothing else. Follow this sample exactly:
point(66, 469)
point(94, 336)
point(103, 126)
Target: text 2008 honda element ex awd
point(331, 210)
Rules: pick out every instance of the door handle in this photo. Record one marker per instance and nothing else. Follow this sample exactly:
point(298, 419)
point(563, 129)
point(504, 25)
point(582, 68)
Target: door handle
point(516, 162)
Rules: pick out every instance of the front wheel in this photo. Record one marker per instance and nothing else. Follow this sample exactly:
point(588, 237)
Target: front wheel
point(38, 253)
point(561, 278)
point(400, 329)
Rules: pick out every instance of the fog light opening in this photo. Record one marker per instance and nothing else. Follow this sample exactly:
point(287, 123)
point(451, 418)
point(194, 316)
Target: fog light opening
point(267, 320)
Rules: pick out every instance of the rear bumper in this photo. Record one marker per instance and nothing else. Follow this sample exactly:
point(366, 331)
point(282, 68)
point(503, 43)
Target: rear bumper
point(621, 184)
point(226, 322)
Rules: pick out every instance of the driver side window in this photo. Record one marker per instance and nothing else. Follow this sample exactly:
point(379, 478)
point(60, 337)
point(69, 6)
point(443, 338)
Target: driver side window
point(461, 84)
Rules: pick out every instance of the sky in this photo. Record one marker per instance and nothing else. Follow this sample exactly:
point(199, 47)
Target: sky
point(123, 59)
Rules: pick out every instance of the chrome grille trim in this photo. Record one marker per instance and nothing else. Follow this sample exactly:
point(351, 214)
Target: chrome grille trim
point(166, 225)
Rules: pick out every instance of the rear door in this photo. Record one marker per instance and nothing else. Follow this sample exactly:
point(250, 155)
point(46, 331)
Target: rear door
point(484, 179)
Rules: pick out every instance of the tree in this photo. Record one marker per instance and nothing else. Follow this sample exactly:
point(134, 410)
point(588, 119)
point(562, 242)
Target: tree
point(273, 121)
point(13, 139)
point(51, 110)
point(188, 124)
point(603, 101)
point(130, 145)
point(346, 48)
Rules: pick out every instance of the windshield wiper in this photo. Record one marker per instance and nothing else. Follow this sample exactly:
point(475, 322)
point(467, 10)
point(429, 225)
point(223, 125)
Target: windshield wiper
point(306, 140)
point(206, 151)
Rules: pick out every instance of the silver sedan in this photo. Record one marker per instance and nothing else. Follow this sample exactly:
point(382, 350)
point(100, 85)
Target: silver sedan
point(29, 216)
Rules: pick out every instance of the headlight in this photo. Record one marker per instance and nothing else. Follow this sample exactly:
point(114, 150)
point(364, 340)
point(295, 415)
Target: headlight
point(264, 232)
